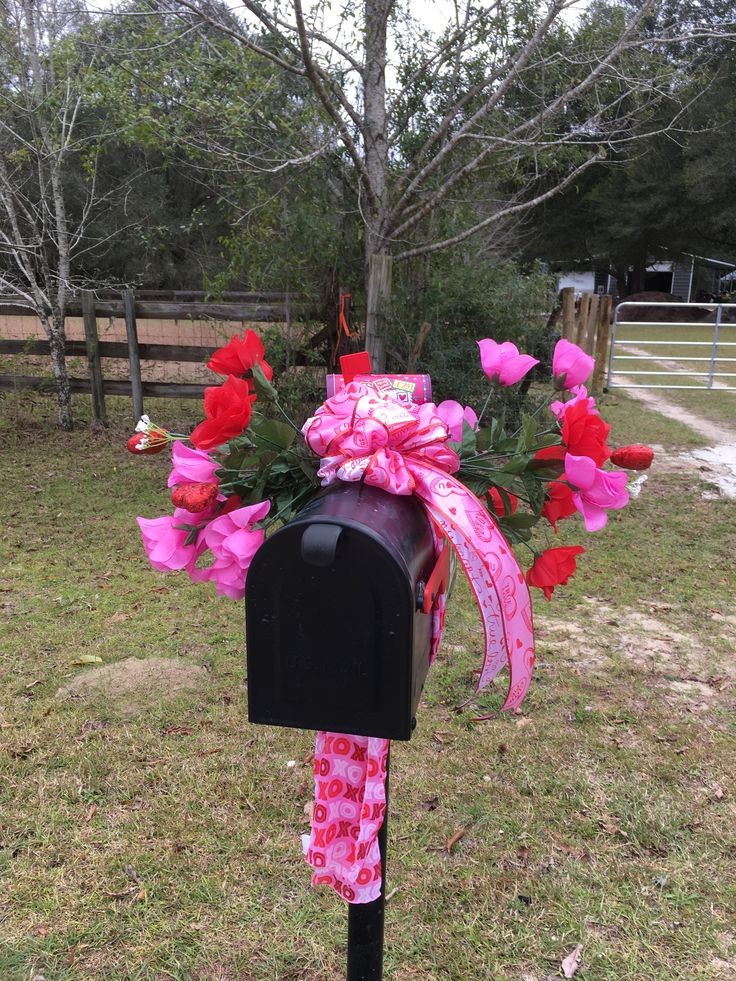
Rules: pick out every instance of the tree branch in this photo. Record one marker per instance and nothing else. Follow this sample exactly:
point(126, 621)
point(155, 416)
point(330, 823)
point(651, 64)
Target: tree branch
point(528, 125)
point(514, 209)
point(314, 35)
point(242, 38)
point(515, 66)
point(314, 76)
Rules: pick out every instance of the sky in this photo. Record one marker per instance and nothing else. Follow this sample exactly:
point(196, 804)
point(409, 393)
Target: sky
point(434, 14)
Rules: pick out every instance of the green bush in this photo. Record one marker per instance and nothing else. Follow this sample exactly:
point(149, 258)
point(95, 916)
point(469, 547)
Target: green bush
point(301, 386)
point(465, 303)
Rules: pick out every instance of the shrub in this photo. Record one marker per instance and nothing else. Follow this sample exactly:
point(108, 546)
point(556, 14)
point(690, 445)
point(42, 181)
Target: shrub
point(465, 303)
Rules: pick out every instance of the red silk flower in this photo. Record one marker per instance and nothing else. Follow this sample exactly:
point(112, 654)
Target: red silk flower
point(635, 457)
point(239, 355)
point(584, 433)
point(498, 505)
point(558, 502)
point(228, 409)
point(553, 568)
point(140, 443)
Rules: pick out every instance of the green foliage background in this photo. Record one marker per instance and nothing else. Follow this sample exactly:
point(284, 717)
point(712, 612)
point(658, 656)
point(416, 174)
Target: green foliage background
point(464, 303)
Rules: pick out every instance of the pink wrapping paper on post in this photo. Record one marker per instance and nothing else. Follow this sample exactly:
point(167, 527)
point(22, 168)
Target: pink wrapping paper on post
point(403, 449)
point(349, 808)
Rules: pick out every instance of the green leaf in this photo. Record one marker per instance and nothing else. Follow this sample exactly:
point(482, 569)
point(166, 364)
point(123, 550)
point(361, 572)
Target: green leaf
point(484, 439)
point(476, 485)
point(534, 491)
point(469, 444)
point(272, 433)
point(519, 521)
point(87, 659)
point(547, 469)
point(497, 433)
point(529, 430)
point(517, 464)
point(467, 447)
point(482, 474)
point(264, 388)
point(283, 504)
point(515, 535)
point(309, 469)
point(544, 441)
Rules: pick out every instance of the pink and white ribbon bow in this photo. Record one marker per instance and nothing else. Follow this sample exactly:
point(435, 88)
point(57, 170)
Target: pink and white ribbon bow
point(403, 449)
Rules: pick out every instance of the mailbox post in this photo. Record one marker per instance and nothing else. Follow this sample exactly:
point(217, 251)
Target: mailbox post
point(365, 920)
point(339, 631)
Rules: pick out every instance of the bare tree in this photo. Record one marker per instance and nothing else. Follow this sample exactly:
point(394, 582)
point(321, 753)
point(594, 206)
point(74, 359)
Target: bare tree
point(512, 91)
point(43, 218)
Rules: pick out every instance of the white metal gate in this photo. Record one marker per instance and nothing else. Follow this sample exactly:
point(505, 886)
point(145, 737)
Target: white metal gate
point(660, 354)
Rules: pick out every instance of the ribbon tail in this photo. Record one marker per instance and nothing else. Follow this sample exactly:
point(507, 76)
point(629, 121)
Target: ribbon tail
point(495, 578)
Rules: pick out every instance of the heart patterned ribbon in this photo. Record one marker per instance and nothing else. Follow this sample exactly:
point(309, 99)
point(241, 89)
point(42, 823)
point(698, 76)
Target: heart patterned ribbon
point(403, 449)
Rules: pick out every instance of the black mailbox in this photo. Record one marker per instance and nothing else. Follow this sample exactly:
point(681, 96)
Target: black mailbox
point(337, 633)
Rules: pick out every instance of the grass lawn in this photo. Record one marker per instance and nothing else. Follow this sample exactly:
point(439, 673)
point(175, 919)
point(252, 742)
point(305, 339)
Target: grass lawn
point(152, 833)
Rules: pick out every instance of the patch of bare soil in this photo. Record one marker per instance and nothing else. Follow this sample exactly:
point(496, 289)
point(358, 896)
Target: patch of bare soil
point(133, 685)
point(678, 662)
point(724, 968)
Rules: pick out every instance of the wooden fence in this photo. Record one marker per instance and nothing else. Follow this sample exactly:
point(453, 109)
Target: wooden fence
point(242, 307)
point(587, 323)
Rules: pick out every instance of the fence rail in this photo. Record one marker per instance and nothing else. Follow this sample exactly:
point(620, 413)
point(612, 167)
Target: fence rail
point(667, 368)
point(158, 305)
point(173, 310)
point(113, 386)
point(113, 349)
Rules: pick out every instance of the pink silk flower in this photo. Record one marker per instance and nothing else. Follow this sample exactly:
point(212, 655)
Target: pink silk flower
point(503, 362)
point(595, 491)
point(191, 466)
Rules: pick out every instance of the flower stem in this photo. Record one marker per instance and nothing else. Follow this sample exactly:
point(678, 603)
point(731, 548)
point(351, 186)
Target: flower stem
point(287, 507)
point(531, 548)
point(485, 404)
point(286, 416)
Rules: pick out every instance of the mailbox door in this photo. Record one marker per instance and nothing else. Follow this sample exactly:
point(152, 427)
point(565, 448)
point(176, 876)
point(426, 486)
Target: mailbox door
point(334, 637)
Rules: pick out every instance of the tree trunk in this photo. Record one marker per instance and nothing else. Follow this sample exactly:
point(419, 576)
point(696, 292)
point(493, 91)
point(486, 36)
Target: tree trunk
point(378, 262)
point(57, 344)
point(378, 296)
point(637, 277)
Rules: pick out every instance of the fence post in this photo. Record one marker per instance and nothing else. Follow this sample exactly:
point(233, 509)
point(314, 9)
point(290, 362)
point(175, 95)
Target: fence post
point(592, 325)
point(568, 313)
point(136, 385)
point(714, 350)
point(601, 347)
point(612, 346)
point(582, 320)
point(94, 364)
